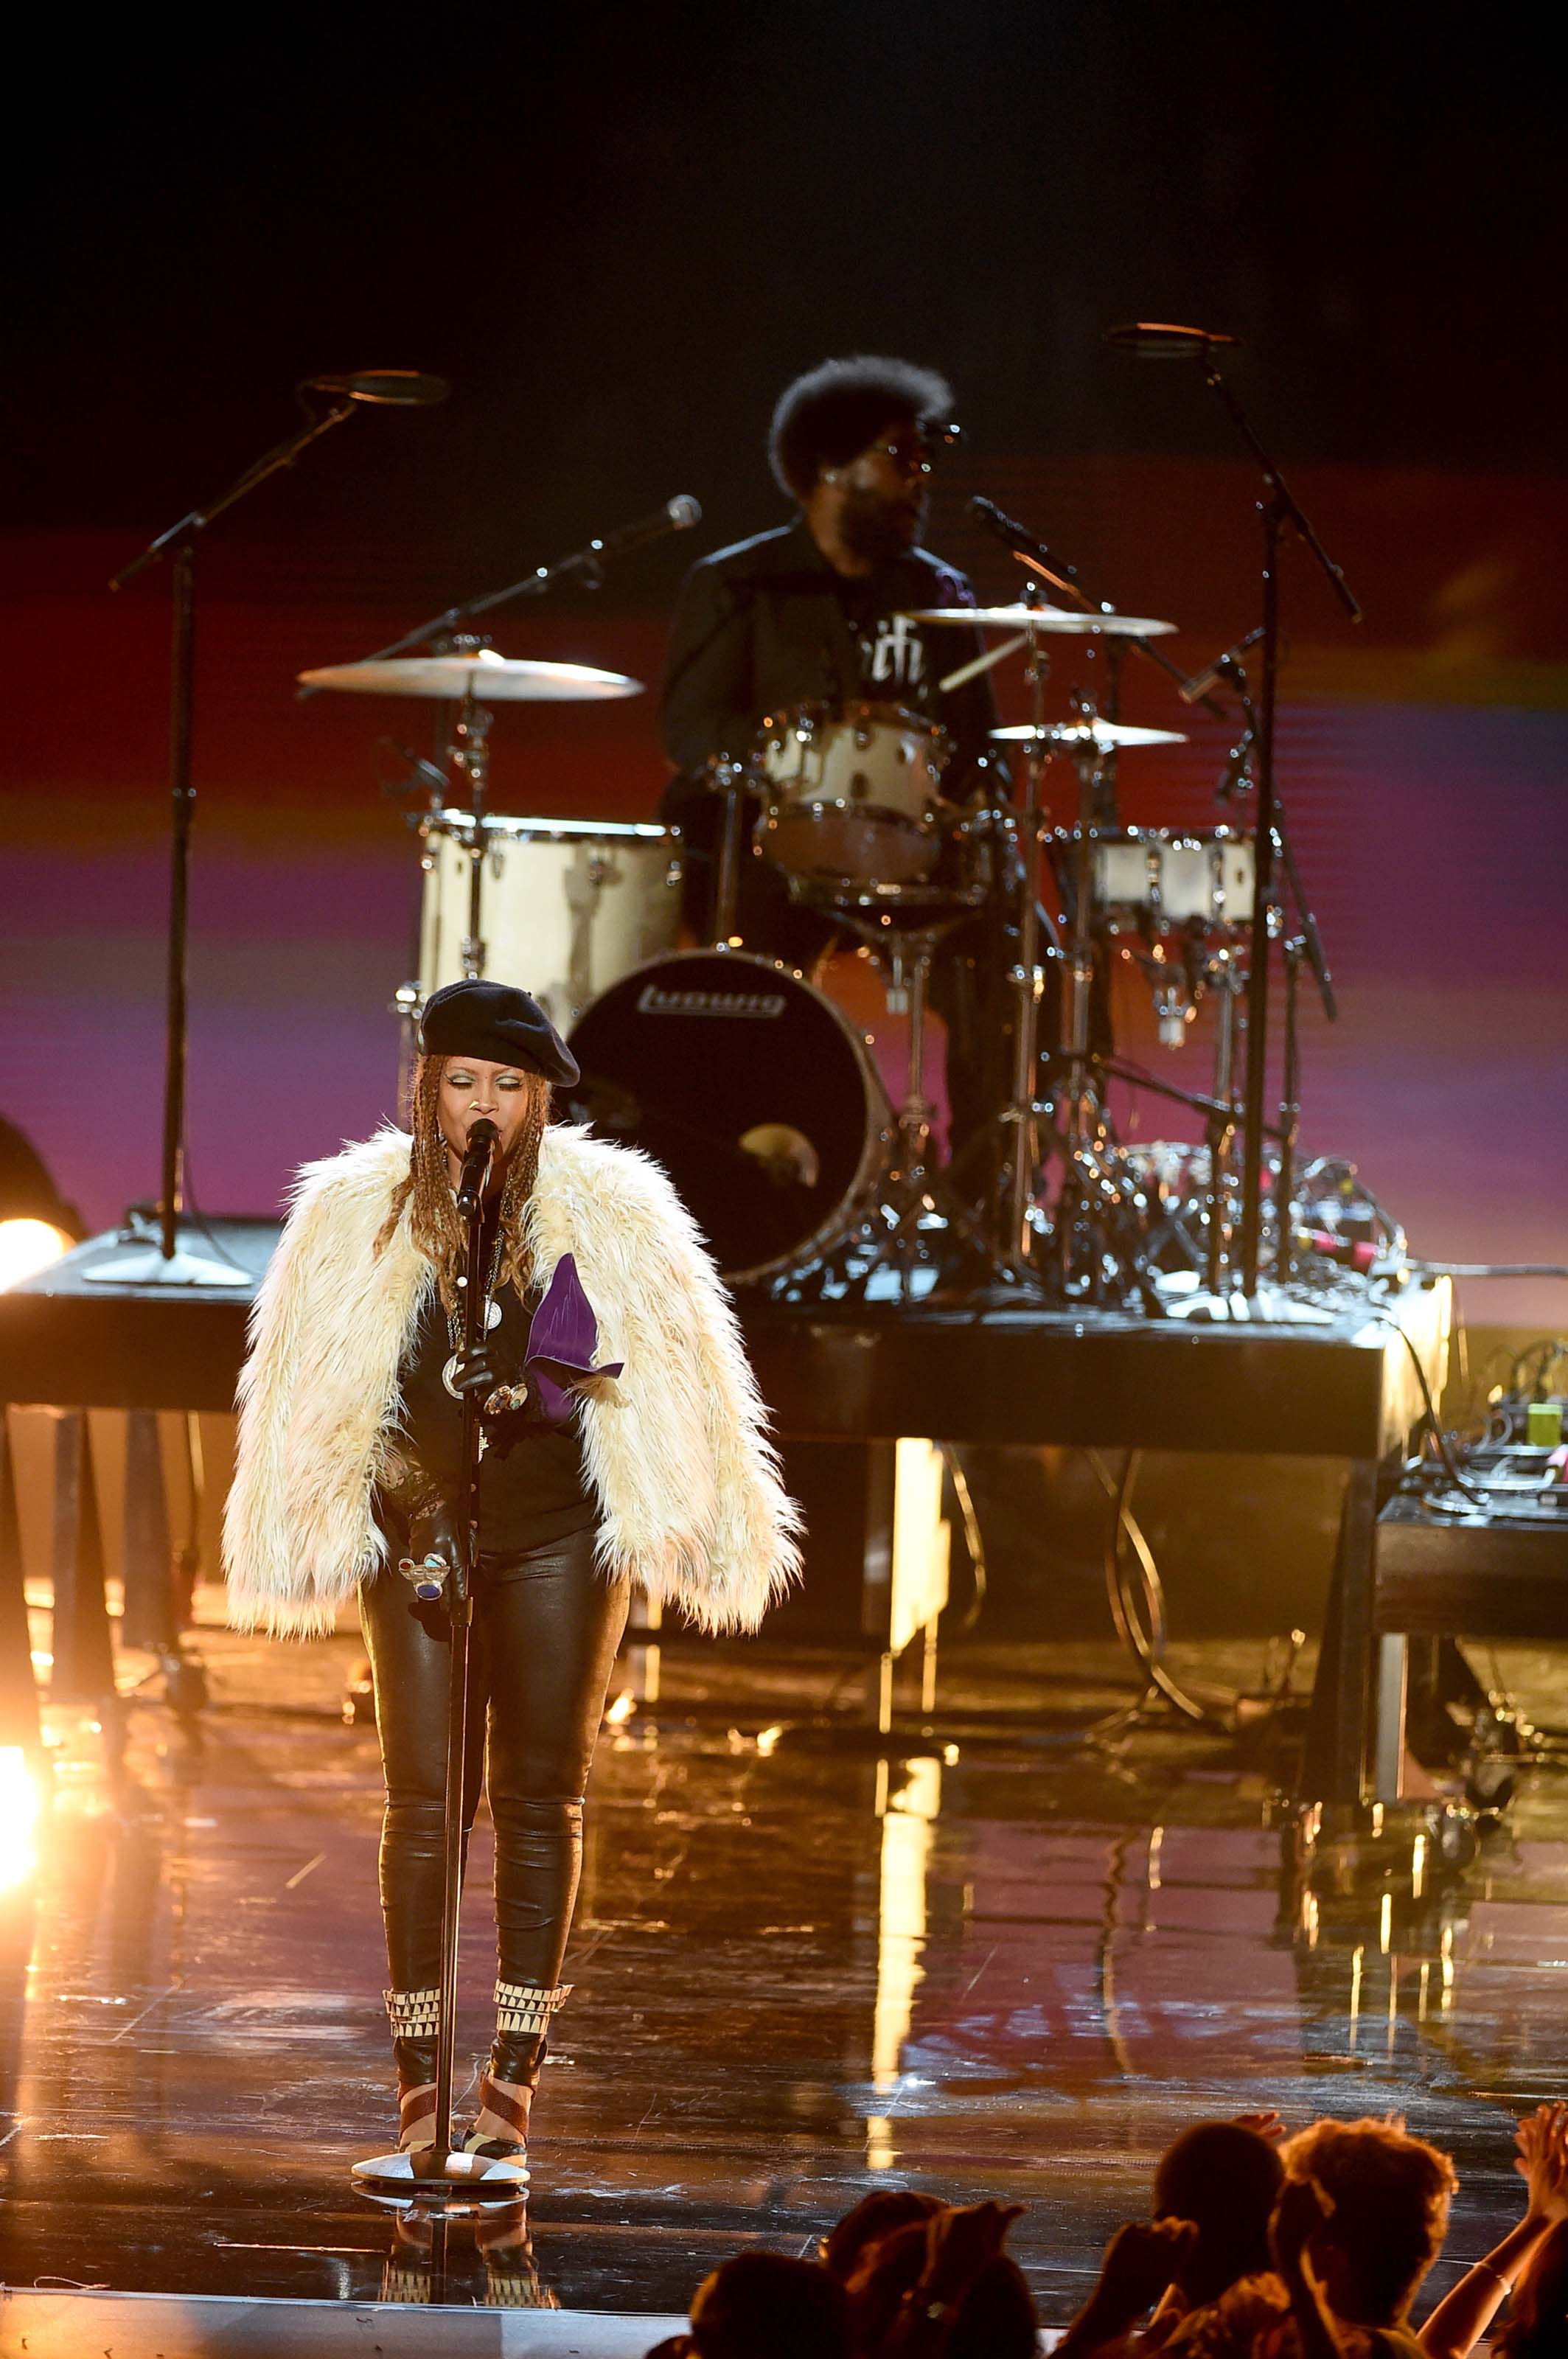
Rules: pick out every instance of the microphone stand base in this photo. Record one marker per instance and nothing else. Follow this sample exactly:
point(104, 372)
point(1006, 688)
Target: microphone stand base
point(150, 1267)
point(415, 2178)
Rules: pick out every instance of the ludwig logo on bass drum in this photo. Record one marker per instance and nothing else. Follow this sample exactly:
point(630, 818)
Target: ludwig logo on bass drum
point(757, 1004)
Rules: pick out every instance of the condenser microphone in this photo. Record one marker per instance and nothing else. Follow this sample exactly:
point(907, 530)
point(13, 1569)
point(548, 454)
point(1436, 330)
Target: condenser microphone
point(483, 1138)
point(1017, 537)
point(677, 514)
point(1160, 339)
point(391, 388)
point(1192, 691)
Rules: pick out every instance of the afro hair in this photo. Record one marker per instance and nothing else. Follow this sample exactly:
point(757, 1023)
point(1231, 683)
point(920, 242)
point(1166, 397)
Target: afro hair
point(834, 410)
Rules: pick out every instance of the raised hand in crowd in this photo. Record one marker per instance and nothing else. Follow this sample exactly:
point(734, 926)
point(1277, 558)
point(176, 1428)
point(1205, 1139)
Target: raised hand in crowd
point(913, 2289)
point(1143, 2259)
point(1465, 2315)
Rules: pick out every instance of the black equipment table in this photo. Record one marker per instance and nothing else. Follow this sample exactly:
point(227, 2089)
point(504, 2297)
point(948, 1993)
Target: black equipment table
point(844, 1373)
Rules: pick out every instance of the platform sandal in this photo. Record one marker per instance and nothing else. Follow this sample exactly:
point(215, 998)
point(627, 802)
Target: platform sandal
point(413, 2016)
point(522, 2011)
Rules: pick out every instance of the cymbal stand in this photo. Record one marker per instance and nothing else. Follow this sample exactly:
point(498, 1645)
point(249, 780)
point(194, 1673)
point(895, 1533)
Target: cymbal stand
point(466, 762)
point(728, 778)
point(1228, 981)
point(1084, 1172)
point(1022, 1113)
point(1294, 950)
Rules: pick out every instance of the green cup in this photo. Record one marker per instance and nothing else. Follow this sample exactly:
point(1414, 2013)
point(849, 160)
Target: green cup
point(1543, 1424)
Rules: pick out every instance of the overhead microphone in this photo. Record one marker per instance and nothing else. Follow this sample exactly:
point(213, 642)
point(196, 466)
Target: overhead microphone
point(677, 514)
point(483, 1138)
point(1160, 340)
point(391, 388)
point(1192, 691)
point(1017, 536)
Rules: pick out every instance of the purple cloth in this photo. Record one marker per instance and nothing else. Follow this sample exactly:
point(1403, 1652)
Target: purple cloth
point(563, 1341)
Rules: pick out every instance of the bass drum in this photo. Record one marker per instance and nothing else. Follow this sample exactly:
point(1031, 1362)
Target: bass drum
point(754, 1092)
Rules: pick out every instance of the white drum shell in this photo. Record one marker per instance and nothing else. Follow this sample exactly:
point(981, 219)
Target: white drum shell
point(567, 907)
point(854, 791)
point(1204, 879)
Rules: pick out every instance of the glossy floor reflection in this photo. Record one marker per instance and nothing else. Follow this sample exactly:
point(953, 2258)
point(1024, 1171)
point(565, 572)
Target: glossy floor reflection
point(799, 1970)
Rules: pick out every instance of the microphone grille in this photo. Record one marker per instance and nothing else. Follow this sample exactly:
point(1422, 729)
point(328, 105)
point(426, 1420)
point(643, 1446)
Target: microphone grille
point(683, 511)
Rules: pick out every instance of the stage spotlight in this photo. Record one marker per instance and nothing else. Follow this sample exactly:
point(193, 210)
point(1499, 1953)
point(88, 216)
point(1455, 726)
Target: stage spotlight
point(36, 1226)
point(19, 1802)
point(27, 1246)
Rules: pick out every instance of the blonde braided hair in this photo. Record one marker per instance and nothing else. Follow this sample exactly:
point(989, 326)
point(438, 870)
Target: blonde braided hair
point(433, 1221)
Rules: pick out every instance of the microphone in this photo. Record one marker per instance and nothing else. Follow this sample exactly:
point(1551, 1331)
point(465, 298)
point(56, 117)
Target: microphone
point(1201, 682)
point(391, 388)
point(1158, 339)
point(677, 514)
point(482, 1140)
point(1014, 536)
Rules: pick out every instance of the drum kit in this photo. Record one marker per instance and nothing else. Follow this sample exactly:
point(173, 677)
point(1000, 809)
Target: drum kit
point(752, 1084)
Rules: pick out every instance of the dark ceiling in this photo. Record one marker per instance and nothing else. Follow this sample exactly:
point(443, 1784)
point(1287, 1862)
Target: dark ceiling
point(619, 234)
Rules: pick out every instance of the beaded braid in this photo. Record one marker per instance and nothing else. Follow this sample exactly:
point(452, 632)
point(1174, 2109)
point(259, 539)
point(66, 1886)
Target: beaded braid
point(433, 1221)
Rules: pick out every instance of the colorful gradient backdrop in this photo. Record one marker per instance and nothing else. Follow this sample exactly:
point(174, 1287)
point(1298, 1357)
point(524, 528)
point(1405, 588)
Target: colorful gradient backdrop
point(1424, 759)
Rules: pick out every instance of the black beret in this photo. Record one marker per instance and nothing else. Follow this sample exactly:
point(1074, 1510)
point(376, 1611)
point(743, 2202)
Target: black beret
point(496, 1021)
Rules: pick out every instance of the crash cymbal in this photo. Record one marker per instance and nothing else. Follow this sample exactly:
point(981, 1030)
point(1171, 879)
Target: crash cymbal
point(1044, 618)
point(1105, 736)
point(492, 679)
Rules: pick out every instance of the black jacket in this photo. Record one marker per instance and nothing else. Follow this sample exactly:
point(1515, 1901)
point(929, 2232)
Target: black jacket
point(769, 623)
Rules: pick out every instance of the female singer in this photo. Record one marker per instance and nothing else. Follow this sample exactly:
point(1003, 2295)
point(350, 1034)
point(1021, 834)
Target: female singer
point(622, 1441)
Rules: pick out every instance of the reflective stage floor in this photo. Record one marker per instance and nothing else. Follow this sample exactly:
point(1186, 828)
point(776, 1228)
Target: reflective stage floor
point(1013, 1970)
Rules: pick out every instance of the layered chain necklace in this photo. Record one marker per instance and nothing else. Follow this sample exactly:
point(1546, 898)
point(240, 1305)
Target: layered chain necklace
point(490, 1318)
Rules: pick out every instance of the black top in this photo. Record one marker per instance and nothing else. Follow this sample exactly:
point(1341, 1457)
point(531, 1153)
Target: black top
point(769, 623)
point(533, 1489)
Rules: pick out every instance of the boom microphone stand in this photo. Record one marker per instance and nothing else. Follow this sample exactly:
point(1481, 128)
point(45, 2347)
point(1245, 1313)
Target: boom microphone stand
point(169, 1264)
point(1156, 340)
point(436, 2173)
point(1280, 509)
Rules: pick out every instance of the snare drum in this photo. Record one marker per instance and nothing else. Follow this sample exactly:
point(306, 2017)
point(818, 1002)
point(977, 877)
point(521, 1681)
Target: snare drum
point(1144, 878)
point(853, 792)
point(752, 1090)
point(566, 905)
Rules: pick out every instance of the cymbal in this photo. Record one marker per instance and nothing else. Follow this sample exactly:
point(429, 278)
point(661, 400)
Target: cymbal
point(1105, 736)
point(490, 678)
point(1061, 619)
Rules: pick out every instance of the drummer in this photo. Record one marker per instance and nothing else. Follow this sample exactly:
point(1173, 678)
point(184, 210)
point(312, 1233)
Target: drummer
point(818, 610)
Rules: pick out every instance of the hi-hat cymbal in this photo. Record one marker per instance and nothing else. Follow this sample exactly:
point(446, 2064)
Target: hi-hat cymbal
point(1061, 619)
point(490, 678)
point(1105, 736)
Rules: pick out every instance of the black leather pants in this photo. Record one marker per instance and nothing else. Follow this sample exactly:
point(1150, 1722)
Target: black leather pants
point(546, 1627)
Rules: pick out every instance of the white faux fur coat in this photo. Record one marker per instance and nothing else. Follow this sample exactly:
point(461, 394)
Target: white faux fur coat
point(689, 1502)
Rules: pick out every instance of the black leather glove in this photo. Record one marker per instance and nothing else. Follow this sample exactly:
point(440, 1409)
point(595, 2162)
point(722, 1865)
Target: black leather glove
point(475, 1372)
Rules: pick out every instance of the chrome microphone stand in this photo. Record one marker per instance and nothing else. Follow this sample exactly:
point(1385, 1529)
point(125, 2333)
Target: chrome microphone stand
point(439, 2173)
point(168, 1263)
